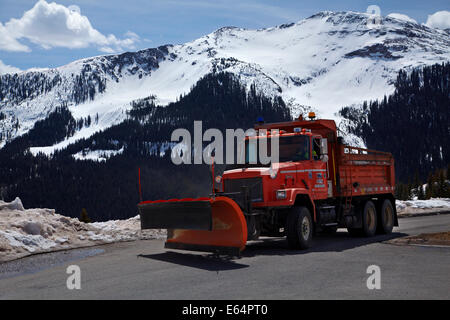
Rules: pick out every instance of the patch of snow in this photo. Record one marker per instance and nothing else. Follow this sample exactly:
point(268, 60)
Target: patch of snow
point(31, 231)
point(14, 205)
point(411, 207)
point(97, 155)
point(95, 237)
point(424, 204)
point(32, 243)
point(61, 240)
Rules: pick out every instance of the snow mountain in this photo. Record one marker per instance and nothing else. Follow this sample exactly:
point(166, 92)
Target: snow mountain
point(323, 63)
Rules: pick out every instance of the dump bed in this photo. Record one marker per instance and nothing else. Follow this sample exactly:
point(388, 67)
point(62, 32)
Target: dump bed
point(363, 171)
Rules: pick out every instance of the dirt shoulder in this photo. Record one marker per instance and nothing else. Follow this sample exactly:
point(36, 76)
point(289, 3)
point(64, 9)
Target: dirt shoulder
point(423, 212)
point(430, 239)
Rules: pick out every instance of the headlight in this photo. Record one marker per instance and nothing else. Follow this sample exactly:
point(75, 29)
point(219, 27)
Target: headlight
point(281, 194)
point(219, 179)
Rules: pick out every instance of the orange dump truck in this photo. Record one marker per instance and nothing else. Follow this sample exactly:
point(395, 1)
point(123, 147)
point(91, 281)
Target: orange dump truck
point(319, 184)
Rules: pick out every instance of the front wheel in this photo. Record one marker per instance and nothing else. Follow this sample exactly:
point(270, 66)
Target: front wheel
point(299, 228)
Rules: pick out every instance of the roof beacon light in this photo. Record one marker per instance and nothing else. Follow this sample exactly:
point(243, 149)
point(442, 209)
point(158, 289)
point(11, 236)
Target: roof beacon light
point(297, 129)
point(260, 120)
point(311, 115)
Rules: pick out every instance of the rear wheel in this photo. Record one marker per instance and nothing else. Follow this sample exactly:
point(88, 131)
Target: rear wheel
point(299, 228)
point(369, 219)
point(386, 218)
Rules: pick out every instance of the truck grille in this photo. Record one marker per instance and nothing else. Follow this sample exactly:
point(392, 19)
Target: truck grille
point(254, 185)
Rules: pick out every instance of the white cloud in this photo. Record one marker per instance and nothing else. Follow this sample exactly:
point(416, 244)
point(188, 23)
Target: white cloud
point(106, 49)
point(400, 16)
point(4, 68)
point(9, 43)
point(439, 20)
point(54, 25)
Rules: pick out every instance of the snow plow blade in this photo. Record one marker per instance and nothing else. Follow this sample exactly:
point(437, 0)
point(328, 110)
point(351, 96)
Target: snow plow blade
point(204, 224)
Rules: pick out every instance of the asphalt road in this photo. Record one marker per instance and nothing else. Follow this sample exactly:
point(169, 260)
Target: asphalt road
point(335, 268)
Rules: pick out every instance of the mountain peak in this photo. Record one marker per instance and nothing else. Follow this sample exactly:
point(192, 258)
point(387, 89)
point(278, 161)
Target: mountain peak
point(227, 28)
point(323, 63)
point(358, 17)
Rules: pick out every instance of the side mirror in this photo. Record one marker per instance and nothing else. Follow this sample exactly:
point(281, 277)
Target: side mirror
point(324, 158)
point(323, 146)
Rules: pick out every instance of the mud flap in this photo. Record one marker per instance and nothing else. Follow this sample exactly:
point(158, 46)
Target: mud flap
point(205, 224)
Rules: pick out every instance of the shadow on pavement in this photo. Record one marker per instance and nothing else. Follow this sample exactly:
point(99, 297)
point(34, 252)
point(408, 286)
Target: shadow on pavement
point(338, 242)
point(206, 262)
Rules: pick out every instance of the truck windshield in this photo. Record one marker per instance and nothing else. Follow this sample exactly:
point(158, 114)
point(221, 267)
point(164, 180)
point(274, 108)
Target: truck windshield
point(291, 148)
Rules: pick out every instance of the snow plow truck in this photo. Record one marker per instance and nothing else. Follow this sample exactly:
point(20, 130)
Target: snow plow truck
point(320, 185)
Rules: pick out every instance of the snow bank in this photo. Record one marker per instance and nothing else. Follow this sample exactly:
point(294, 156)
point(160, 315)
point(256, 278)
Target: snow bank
point(14, 205)
point(30, 231)
point(421, 206)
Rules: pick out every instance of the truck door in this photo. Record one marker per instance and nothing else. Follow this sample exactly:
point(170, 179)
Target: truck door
point(303, 162)
point(318, 174)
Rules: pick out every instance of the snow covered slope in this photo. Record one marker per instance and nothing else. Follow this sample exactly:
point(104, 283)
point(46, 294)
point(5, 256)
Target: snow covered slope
point(323, 63)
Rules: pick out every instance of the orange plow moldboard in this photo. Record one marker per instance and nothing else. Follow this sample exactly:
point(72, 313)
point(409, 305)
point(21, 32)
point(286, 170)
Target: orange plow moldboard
point(227, 232)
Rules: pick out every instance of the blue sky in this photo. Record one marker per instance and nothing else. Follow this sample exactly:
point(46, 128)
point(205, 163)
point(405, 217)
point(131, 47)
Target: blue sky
point(115, 25)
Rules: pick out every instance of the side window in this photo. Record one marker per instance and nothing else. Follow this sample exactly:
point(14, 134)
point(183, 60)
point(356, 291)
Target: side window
point(316, 149)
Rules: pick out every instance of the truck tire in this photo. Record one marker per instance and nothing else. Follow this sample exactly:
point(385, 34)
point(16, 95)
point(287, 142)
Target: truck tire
point(386, 218)
point(369, 219)
point(299, 228)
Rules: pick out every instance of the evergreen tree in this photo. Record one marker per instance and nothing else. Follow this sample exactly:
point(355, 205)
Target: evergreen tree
point(430, 186)
point(416, 182)
point(84, 216)
point(412, 123)
point(408, 191)
point(420, 193)
point(441, 184)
